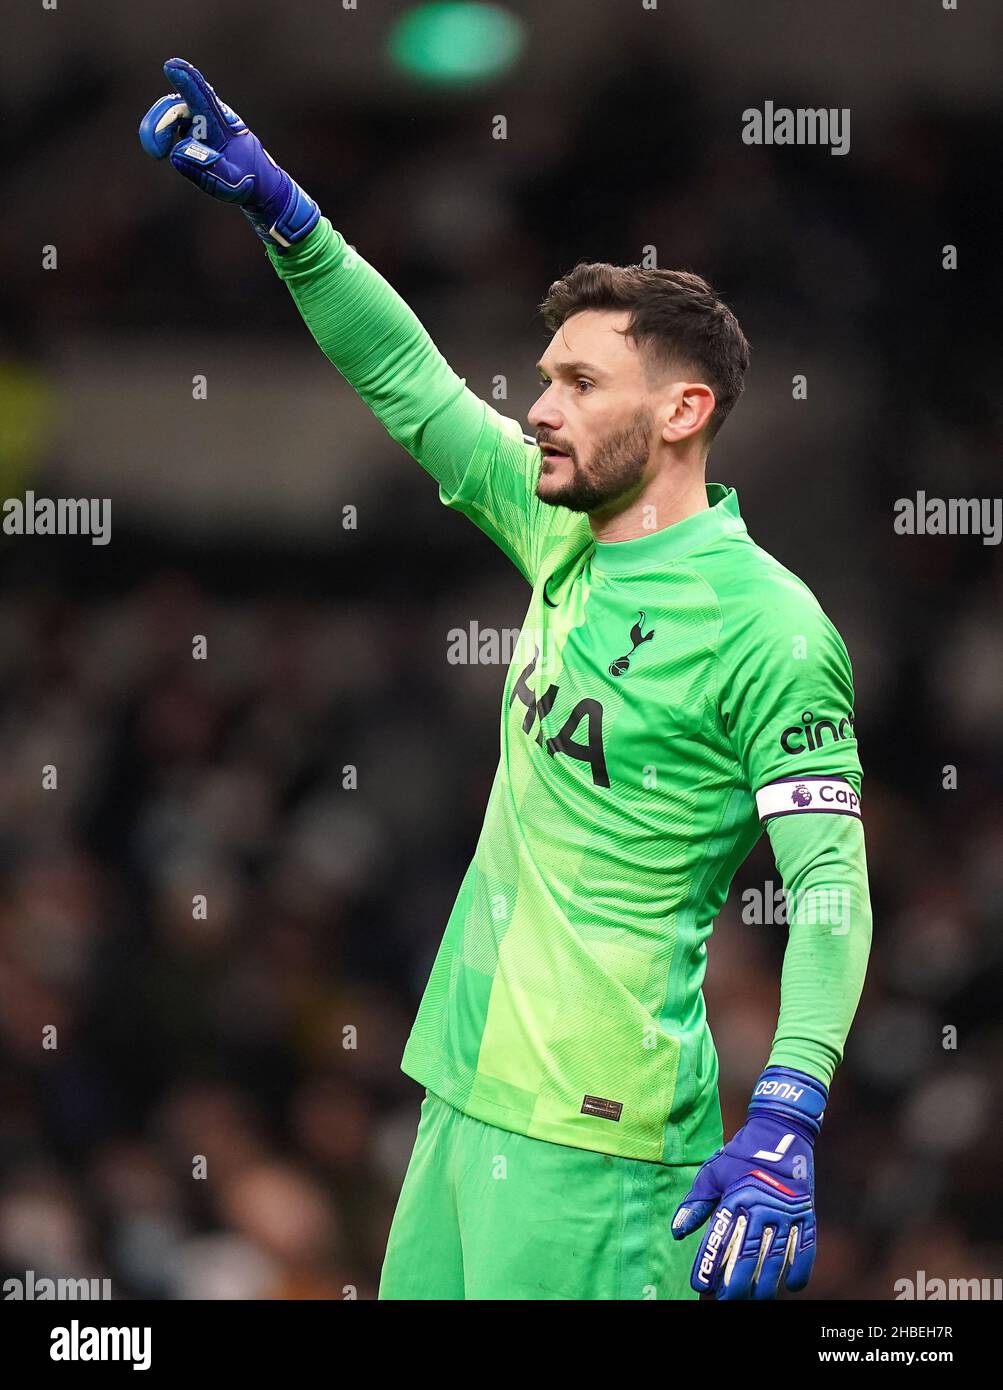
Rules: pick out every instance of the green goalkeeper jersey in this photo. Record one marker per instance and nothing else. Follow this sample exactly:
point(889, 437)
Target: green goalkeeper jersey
point(659, 684)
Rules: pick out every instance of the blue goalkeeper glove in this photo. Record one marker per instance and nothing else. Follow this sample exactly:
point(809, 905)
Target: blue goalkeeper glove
point(761, 1190)
point(211, 146)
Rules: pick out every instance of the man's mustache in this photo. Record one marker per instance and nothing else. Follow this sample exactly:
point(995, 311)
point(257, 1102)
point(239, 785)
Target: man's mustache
point(556, 444)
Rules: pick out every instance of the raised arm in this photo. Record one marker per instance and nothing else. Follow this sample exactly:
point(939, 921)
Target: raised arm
point(484, 465)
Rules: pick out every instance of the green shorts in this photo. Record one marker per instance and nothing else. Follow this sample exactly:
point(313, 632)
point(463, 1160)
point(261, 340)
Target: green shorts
point(488, 1214)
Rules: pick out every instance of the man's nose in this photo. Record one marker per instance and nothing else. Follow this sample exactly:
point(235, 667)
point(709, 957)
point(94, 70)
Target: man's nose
point(544, 412)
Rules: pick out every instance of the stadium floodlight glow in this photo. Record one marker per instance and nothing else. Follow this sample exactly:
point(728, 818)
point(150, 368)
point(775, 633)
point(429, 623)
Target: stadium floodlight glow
point(452, 43)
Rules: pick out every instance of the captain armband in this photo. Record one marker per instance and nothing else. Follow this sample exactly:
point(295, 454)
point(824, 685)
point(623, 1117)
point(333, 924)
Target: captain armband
point(793, 796)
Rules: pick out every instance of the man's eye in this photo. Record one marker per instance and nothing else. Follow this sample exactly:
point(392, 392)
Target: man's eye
point(583, 381)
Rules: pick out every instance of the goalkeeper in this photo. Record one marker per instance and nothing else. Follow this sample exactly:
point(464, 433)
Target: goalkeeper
point(676, 690)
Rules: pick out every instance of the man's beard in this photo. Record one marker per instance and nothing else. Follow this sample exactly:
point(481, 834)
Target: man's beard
point(616, 467)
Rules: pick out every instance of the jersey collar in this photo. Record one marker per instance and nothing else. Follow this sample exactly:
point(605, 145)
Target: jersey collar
point(721, 517)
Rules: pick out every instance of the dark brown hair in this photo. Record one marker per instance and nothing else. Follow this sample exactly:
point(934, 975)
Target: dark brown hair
point(675, 316)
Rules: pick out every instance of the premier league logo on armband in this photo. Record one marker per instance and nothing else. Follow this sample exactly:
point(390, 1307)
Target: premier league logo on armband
point(790, 796)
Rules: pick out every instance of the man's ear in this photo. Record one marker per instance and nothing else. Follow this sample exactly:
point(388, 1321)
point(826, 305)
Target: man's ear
point(692, 406)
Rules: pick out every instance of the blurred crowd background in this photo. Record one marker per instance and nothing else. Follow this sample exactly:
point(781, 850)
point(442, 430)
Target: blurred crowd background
point(327, 646)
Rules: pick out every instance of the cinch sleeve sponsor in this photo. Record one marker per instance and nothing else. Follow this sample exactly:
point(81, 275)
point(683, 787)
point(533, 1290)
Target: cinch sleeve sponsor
point(794, 796)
